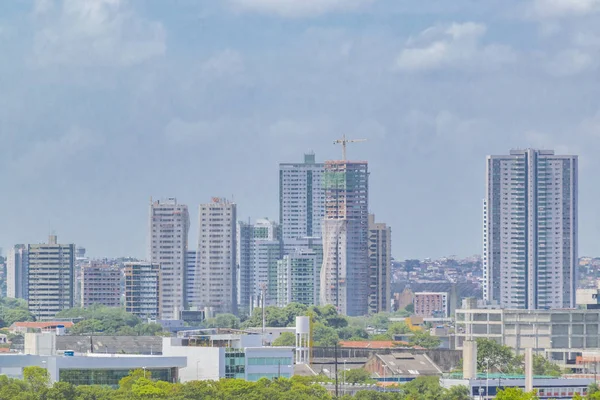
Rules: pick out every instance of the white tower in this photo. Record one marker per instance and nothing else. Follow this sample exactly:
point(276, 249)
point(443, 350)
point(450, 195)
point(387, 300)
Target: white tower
point(302, 340)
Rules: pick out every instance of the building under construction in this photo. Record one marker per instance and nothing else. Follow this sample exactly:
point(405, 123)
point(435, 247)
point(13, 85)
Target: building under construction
point(344, 275)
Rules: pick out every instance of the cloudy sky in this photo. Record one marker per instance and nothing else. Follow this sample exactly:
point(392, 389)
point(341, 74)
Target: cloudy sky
point(105, 103)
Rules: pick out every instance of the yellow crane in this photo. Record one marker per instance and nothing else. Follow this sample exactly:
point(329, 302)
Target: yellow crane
point(343, 141)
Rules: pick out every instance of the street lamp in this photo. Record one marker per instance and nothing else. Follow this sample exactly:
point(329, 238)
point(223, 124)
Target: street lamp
point(345, 375)
point(144, 368)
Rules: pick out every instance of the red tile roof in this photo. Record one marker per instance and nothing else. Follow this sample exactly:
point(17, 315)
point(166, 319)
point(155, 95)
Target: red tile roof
point(372, 344)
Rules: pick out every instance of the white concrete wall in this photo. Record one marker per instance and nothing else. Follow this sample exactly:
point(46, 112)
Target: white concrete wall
point(203, 363)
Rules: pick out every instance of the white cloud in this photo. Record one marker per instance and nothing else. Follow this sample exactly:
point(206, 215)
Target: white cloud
point(51, 154)
point(226, 63)
point(571, 62)
point(453, 46)
point(94, 33)
point(564, 8)
point(179, 131)
point(298, 8)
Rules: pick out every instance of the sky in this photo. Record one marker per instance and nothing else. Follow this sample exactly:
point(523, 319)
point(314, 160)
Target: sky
point(107, 103)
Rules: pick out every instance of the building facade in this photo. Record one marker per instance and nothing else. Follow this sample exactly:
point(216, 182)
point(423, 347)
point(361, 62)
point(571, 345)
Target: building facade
point(380, 266)
point(213, 356)
point(530, 230)
point(344, 275)
point(560, 335)
point(142, 289)
point(298, 278)
point(190, 283)
point(432, 304)
point(16, 272)
point(258, 250)
point(169, 227)
point(100, 284)
point(50, 278)
point(216, 258)
point(301, 199)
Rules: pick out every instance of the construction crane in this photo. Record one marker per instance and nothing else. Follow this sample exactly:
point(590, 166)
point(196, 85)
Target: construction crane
point(343, 141)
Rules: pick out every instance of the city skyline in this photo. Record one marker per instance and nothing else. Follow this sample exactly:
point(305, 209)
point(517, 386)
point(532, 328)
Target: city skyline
point(183, 87)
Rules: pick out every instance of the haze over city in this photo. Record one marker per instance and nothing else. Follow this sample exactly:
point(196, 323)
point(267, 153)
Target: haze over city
point(108, 102)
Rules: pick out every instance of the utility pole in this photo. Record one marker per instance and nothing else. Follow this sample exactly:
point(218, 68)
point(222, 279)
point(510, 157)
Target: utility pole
point(263, 289)
point(343, 141)
point(336, 372)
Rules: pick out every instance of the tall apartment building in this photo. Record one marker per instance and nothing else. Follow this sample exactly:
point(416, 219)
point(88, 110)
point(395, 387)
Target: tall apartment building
point(16, 272)
point(50, 278)
point(344, 275)
point(100, 284)
point(530, 230)
point(169, 227)
point(190, 283)
point(298, 278)
point(301, 201)
point(258, 250)
point(380, 266)
point(142, 289)
point(216, 258)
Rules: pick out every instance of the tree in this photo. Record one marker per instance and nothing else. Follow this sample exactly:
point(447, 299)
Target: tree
point(398, 328)
point(229, 321)
point(62, 391)
point(424, 339)
point(324, 336)
point(459, 392)
point(285, 339)
point(357, 375)
point(513, 393)
point(499, 358)
point(542, 366)
point(36, 378)
point(410, 308)
point(424, 387)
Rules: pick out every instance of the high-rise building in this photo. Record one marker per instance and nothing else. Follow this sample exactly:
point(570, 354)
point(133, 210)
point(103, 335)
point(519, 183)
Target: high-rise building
point(298, 278)
point(169, 227)
point(258, 250)
point(190, 285)
point(530, 230)
point(216, 258)
point(344, 275)
point(16, 272)
point(50, 278)
point(142, 289)
point(301, 199)
point(100, 284)
point(380, 266)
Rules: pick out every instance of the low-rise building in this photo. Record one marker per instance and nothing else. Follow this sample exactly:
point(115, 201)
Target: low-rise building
point(401, 367)
point(218, 353)
point(432, 304)
point(47, 326)
point(85, 368)
point(561, 335)
point(546, 388)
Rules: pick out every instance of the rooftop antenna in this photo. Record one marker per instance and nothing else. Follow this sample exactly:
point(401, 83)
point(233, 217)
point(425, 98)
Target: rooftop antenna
point(343, 141)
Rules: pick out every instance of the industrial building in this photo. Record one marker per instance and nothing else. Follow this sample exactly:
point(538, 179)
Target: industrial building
point(220, 353)
point(560, 335)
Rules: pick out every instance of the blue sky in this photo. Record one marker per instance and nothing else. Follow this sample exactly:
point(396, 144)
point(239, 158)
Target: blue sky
point(105, 103)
